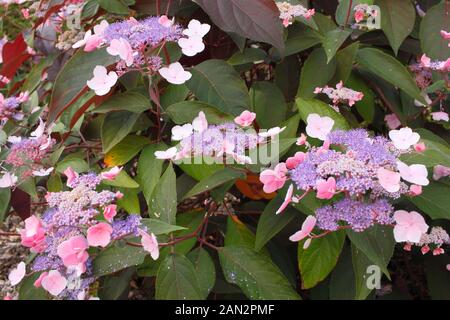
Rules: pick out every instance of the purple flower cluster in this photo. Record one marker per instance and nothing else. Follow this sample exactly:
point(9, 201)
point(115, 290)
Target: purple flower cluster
point(126, 227)
point(353, 163)
point(27, 154)
point(219, 139)
point(359, 215)
point(9, 109)
point(28, 150)
point(70, 214)
point(377, 150)
point(423, 76)
point(143, 33)
point(78, 207)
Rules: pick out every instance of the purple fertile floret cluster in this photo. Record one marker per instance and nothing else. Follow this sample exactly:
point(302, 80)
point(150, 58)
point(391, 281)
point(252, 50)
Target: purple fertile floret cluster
point(353, 162)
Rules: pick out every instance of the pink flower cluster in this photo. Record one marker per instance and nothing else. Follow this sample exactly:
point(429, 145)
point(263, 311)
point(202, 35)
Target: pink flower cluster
point(365, 170)
point(9, 107)
point(435, 65)
point(445, 35)
point(227, 140)
point(132, 40)
point(2, 43)
point(75, 221)
point(432, 241)
point(33, 236)
point(27, 156)
point(440, 172)
point(8, 2)
point(341, 94)
point(289, 11)
point(363, 12)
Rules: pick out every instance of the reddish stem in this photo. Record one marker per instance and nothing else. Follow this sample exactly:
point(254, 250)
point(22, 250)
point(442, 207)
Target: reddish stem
point(9, 234)
point(203, 241)
point(158, 7)
point(348, 12)
point(168, 7)
point(177, 240)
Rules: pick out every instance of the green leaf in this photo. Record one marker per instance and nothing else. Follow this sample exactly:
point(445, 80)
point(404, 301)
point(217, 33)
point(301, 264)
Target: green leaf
point(34, 77)
point(309, 204)
point(149, 169)
point(342, 279)
point(250, 55)
point(68, 115)
point(320, 258)
point(255, 274)
point(131, 101)
point(437, 151)
point(163, 203)
point(125, 150)
point(269, 153)
point(158, 227)
point(213, 181)
point(308, 106)
point(434, 200)
point(377, 243)
point(219, 193)
point(130, 200)
point(365, 107)
point(3, 137)
point(186, 111)
point(324, 23)
point(201, 167)
point(316, 72)
point(28, 291)
point(116, 126)
point(77, 164)
point(177, 279)
point(254, 19)
point(191, 221)
point(239, 41)
point(291, 125)
point(397, 20)
point(5, 196)
point(29, 186)
point(430, 38)
point(390, 92)
point(116, 258)
point(300, 38)
point(287, 77)
point(438, 280)
point(114, 6)
point(344, 62)
point(268, 104)
point(333, 40)
point(390, 69)
point(269, 223)
point(90, 8)
point(172, 94)
point(217, 83)
point(360, 265)
point(122, 180)
point(438, 85)
point(54, 183)
point(238, 234)
point(72, 78)
point(112, 287)
point(205, 270)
